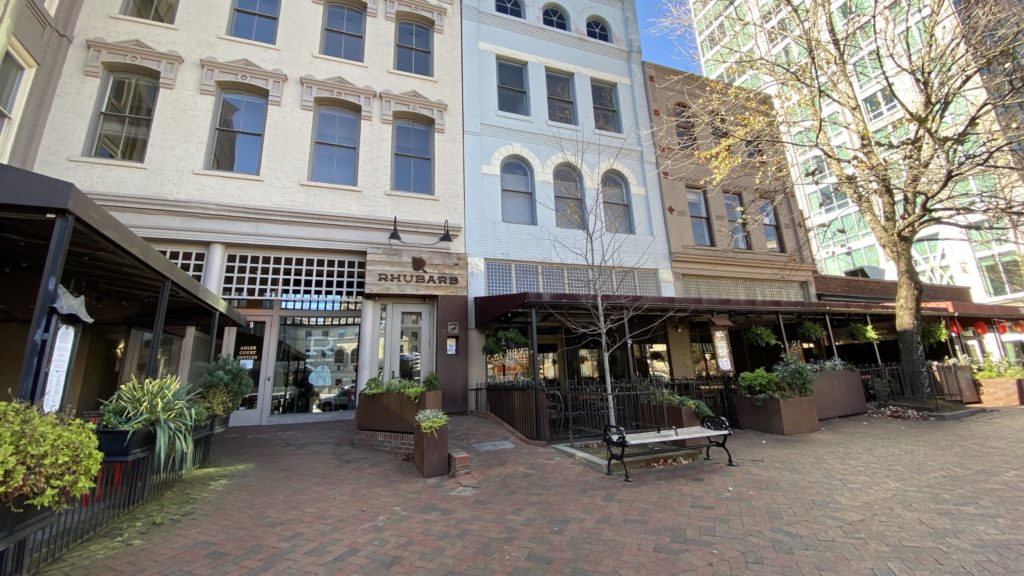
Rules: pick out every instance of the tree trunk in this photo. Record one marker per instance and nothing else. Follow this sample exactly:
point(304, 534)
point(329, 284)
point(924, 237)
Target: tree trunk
point(604, 360)
point(908, 323)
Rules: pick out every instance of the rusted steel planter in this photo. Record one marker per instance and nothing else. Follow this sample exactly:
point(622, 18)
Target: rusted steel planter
point(430, 453)
point(659, 415)
point(393, 411)
point(1002, 391)
point(839, 393)
point(790, 416)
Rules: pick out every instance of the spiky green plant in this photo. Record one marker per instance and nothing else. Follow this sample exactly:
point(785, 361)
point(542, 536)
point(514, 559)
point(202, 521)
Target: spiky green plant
point(163, 404)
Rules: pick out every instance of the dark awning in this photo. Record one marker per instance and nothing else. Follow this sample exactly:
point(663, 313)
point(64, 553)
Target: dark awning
point(490, 308)
point(103, 254)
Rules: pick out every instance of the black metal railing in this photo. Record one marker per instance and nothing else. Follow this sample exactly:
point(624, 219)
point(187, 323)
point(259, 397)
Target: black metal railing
point(579, 410)
point(892, 383)
point(122, 484)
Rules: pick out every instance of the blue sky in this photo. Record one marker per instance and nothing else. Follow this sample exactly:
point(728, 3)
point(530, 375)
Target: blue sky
point(658, 47)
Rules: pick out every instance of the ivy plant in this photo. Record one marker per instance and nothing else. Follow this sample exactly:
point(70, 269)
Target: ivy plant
point(431, 420)
point(811, 331)
point(861, 333)
point(761, 336)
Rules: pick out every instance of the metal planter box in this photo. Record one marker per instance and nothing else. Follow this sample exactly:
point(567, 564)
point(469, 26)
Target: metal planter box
point(393, 411)
point(430, 453)
point(839, 393)
point(790, 416)
point(1002, 391)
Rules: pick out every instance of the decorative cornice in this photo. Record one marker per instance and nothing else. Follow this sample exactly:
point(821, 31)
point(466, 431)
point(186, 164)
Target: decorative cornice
point(371, 5)
point(242, 71)
point(419, 7)
point(337, 88)
point(413, 102)
point(132, 53)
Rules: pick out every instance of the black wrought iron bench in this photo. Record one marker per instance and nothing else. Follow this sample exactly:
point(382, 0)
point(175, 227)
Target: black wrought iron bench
point(711, 427)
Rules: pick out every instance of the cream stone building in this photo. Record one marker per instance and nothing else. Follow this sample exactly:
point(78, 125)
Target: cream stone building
point(304, 160)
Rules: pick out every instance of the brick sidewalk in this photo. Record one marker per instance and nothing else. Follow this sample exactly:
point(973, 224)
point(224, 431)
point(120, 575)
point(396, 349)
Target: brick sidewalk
point(862, 496)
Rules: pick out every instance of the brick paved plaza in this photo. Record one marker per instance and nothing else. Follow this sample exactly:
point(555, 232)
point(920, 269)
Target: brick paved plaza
point(862, 496)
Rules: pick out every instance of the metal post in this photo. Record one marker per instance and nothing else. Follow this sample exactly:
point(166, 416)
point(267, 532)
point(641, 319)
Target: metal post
point(630, 361)
point(534, 370)
point(53, 269)
point(999, 339)
point(949, 335)
point(874, 343)
point(214, 326)
point(831, 337)
point(158, 328)
point(785, 341)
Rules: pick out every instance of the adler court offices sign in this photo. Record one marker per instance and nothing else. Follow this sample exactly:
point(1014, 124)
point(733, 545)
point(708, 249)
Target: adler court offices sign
point(394, 271)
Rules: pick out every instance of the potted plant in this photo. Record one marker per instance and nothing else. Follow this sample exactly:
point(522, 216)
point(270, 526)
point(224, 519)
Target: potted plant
point(502, 340)
point(1002, 383)
point(391, 406)
point(47, 462)
point(160, 407)
point(838, 390)
point(811, 331)
point(430, 449)
point(933, 334)
point(665, 409)
point(778, 402)
point(224, 384)
point(760, 336)
point(861, 333)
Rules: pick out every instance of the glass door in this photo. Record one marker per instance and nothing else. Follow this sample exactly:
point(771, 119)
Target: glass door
point(408, 337)
point(251, 351)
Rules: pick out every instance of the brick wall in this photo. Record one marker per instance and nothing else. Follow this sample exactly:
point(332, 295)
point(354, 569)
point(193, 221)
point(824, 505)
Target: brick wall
point(844, 286)
point(394, 442)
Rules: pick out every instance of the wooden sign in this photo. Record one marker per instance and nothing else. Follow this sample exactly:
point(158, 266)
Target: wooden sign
point(399, 272)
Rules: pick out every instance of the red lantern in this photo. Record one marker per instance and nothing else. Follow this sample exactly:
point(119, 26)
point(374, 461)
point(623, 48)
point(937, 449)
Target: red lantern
point(1001, 327)
point(954, 328)
point(980, 328)
point(1019, 327)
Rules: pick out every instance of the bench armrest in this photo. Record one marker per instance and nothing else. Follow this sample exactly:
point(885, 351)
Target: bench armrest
point(614, 433)
point(715, 423)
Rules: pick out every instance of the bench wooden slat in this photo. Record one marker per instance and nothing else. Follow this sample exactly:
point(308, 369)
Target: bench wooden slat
point(670, 435)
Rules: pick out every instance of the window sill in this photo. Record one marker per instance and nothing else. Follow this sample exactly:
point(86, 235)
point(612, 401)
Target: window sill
point(143, 21)
point(247, 42)
point(108, 162)
point(225, 174)
point(341, 60)
point(607, 134)
point(411, 75)
point(514, 116)
point(329, 186)
point(412, 195)
point(563, 126)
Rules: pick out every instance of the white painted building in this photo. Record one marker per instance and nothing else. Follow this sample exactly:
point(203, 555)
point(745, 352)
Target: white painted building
point(554, 105)
point(268, 147)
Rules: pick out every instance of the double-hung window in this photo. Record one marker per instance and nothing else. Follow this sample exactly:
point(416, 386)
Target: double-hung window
point(412, 168)
point(517, 205)
point(238, 135)
point(162, 11)
point(255, 20)
point(615, 197)
point(879, 104)
point(344, 29)
point(512, 92)
point(11, 73)
point(414, 49)
point(606, 107)
point(685, 136)
point(770, 222)
point(561, 100)
point(336, 146)
point(697, 205)
point(737, 227)
point(125, 118)
point(569, 211)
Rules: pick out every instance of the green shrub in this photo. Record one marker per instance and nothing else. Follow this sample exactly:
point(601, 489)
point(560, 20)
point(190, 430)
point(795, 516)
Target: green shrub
point(861, 333)
point(669, 398)
point(811, 331)
point(228, 375)
point(795, 377)
point(760, 384)
point(46, 460)
point(932, 334)
point(431, 382)
point(431, 420)
point(216, 402)
point(1002, 368)
point(411, 388)
point(163, 404)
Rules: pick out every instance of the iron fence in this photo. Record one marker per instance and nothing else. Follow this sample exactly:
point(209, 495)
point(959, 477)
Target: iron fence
point(892, 383)
point(122, 484)
point(579, 410)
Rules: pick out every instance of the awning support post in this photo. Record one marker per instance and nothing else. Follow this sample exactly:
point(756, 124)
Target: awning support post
point(785, 341)
point(53, 269)
point(874, 343)
point(831, 337)
point(214, 326)
point(630, 361)
point(158, 328)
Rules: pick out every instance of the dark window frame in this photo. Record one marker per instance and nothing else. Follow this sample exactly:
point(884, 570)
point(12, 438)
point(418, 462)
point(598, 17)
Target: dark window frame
point(429, 51)
point(345, 34)
point(257, 15)
point(125, 116)
point(357, 117)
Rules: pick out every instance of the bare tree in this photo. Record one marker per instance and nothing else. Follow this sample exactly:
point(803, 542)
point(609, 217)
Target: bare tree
point(900, 105)
point(607, 262)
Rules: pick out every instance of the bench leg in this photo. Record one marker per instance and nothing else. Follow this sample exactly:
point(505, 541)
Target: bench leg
point(621, 457)
point(724, 447)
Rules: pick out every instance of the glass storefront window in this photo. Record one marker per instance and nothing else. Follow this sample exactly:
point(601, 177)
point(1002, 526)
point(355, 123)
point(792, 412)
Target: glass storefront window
point(652, 361)
point(316, 365)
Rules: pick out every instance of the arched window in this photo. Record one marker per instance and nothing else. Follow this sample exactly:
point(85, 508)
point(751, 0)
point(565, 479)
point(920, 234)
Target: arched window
point(598, 30)
point(685, 137)
point(335, 145)
point(344, 27)
point(516, 192)
point(555, 18)
point(510, 7)
point(615, 197)
point(569, 211)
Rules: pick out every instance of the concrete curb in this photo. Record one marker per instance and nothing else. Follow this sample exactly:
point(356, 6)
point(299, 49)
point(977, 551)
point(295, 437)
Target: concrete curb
point(957, 415)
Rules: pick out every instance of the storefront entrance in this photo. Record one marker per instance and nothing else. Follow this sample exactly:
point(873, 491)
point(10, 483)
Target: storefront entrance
point(405, 340)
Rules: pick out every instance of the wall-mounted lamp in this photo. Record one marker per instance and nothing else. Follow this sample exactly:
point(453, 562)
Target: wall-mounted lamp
point(446, 235)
